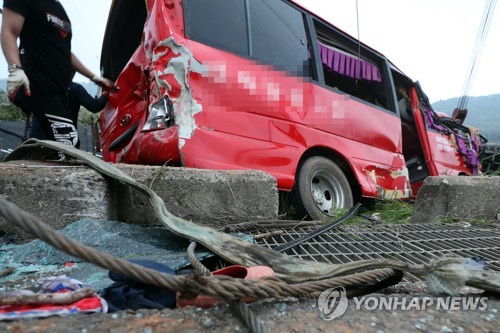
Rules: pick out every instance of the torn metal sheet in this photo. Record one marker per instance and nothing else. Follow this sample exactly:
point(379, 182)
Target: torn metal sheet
point(389, 184)
point(174, 78)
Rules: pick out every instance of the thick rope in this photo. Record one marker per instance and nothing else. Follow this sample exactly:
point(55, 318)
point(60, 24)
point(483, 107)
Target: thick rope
point(220, 286)
point(303, 277)
point(375, 273)
point(199, 268)
point(228, 247)
point(249, 318)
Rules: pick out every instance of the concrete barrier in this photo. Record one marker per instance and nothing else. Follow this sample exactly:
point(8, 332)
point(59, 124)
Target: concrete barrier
point(60, 194)
point(208, 197)
point(458, 198)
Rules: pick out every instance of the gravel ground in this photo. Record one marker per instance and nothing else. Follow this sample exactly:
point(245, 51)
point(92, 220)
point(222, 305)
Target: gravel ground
point(278, 316)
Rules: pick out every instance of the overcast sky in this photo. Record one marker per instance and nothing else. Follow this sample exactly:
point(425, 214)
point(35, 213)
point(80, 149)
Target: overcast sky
point(429, 40)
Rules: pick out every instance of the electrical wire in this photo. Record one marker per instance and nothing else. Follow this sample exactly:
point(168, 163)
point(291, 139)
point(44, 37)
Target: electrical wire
point(359, 44)
point(476, 55)
point(477, 52)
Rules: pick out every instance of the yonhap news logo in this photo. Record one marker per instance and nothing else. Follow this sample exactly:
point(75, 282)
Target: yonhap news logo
point(333, 303)
point(407, 303)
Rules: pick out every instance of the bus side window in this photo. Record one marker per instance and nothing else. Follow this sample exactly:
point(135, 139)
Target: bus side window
point(279, 36)
point(269, 31)
point(348, 70)
point(222, 24)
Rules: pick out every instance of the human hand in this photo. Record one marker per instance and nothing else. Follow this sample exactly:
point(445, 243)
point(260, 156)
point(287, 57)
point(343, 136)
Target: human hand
point(104, 83)
point(17, 79)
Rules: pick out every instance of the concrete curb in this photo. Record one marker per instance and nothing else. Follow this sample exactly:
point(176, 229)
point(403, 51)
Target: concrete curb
point(458, 197)
point(60, 194)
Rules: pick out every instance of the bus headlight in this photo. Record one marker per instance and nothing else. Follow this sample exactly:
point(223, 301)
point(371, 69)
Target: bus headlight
point(161, 115)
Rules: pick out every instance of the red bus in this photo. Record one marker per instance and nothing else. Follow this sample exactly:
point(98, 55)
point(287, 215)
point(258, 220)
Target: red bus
point(268, 85)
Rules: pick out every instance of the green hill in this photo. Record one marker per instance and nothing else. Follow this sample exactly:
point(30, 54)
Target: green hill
point(484, 114)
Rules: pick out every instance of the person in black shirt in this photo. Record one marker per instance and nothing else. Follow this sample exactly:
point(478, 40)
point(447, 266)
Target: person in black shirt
point(42, 64)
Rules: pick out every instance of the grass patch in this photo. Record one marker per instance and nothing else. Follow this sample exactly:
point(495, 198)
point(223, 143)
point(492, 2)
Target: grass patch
point(394, 211)
point(339, 212)
point(158, 174)
point(384, 212)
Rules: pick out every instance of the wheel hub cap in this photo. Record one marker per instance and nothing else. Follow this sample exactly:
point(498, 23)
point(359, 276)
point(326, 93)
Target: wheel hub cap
point(327, 192)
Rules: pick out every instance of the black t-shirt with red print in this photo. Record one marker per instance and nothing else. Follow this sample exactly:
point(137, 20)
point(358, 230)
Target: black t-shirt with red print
point(45, 44)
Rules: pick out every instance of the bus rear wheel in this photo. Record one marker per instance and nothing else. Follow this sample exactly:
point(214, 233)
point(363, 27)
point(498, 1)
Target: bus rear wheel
point(321, 189)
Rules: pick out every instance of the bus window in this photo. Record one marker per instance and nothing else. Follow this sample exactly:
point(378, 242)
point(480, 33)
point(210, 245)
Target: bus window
point(348, 69)
point(270, 31)
point(279, 36)
point(222, 24)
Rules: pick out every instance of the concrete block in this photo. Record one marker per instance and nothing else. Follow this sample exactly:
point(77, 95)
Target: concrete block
point(208, 197)
point(60, 194)
point(457, 197)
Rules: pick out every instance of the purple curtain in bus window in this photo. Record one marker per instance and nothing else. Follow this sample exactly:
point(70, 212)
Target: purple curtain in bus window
point(343, 64)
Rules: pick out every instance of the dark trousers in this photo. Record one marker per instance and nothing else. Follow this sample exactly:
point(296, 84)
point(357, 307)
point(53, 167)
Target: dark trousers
point(52, 116)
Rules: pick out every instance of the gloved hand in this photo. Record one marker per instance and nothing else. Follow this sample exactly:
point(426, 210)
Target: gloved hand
point(17, 79)
point(104, 83)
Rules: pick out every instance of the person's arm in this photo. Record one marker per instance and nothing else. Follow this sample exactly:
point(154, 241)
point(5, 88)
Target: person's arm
point(80, 68)
point(12, 24)
point(100, 81)
point(92, 104)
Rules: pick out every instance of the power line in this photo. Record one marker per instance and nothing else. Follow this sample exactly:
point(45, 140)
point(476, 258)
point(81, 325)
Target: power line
point(359, 44)
point(477, 52)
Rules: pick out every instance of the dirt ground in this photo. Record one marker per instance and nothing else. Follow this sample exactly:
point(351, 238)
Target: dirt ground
point(291, 315)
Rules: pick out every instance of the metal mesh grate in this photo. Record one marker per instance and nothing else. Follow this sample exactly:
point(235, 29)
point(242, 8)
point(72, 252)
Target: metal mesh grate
point(416, 244)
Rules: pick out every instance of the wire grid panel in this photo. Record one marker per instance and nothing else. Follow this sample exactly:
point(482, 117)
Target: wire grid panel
point(416, 244)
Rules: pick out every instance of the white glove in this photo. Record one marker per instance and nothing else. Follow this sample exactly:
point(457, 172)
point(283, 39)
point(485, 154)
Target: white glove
point(17, 79)
point(104, 83)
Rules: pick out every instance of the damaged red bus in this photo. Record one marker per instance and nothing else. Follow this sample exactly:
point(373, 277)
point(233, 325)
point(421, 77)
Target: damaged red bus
point(268, 85)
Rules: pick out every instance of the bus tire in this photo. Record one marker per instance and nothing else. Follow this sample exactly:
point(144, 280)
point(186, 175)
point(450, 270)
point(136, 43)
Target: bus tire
point(321, 188)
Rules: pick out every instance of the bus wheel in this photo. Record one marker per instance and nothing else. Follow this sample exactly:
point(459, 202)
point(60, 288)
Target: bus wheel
point(321, 189)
